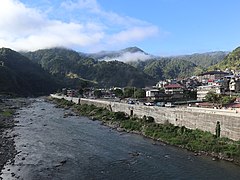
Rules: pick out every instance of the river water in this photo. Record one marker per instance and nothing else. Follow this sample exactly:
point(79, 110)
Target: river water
point(51, 146)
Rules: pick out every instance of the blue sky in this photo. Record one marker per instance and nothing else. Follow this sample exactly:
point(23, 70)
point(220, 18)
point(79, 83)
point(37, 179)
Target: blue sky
point(159, 27)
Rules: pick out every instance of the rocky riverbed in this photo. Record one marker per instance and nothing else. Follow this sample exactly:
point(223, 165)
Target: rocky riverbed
point(8, 109)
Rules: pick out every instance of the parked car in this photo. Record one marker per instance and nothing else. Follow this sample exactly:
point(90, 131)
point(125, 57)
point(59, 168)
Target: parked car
point(169, 104)
point(160, 104)
point(130, 102)
point(149, 104)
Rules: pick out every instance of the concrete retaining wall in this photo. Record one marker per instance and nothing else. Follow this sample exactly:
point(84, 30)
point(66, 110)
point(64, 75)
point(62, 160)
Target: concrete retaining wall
point(192, 118)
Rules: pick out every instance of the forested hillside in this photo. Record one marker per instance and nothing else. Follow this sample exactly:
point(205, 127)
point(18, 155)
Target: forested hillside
point(167, 68)
point(231, 61)
point(72, 66)
point(203, 60)
point(20, 76)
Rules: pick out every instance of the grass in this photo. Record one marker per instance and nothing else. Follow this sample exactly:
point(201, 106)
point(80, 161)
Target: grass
point(6, 113)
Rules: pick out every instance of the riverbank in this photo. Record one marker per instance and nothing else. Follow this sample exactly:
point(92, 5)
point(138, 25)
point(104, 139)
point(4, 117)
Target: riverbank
point(8, 109)
point(196, 141)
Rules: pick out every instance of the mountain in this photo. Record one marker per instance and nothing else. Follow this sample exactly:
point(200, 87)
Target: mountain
point(66, 65)
point(43, 71)
point(178, 66)
point(162, 67)
point(231, 61)
point(166, 68)
point(20, 76)
point(124, 55)
point(203, 60)
point(78, 68)
point(127, 67)
point(132, 50)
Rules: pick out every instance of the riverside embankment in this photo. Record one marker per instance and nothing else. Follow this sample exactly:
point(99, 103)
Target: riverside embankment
point(193, 118)
point(200, 142)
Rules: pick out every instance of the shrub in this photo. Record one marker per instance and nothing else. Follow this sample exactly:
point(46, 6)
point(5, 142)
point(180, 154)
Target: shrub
point(149, 119)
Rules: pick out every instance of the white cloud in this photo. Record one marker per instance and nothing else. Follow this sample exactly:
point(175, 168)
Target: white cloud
point(81, 4)
point(133, 34)
point(108, 17)
point(128, 57)
point(25, 28)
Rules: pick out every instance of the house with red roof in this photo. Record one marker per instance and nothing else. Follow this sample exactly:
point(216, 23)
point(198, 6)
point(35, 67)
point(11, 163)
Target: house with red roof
point(176, 90)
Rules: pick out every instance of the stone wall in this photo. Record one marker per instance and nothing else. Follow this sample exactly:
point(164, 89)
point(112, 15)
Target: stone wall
point(192, 118)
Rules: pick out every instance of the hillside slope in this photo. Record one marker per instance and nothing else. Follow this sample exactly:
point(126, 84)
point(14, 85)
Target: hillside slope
point(69, 64)
point(20, 76)
point(231, 61)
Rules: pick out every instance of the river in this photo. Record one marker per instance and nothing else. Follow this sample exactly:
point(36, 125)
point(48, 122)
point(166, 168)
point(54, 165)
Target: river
point(51, 146)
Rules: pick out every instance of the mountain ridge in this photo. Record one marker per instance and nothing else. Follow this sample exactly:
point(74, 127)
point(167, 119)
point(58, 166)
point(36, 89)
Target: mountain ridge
point(104, 73)
point(231, 61)
point(152, 67)
point(43, 71)
point(21, 76)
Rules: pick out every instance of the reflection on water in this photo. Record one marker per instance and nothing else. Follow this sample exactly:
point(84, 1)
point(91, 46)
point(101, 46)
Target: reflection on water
point(51, 146)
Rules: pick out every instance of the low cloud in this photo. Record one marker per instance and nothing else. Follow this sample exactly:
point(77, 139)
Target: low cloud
point(25, 28)
point(128, 57)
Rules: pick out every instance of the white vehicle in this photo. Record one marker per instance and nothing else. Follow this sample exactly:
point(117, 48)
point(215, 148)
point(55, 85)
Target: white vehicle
point(169, 104)
point(149, 104)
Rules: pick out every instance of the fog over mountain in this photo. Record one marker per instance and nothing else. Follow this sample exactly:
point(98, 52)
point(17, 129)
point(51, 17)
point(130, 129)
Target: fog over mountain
point(128, 56)
point(124, 55)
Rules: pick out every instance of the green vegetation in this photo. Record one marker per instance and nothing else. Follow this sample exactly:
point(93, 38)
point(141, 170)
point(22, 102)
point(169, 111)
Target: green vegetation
point(20, 76)
point(179, 66)
point(118, 92)
point(98, 93)
point(194, 140)
point(6, 113)
point(231, 61)
point(79, 69)
point(44, 71)
point(219, 98)
point(164, 68)
point(132, 92)
point(62, 62)
point(204, 60)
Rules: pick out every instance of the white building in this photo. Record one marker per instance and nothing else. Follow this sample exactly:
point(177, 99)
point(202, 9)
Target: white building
point(232, 85)
point(161, 84)
point(203, 90)
point(152, 93)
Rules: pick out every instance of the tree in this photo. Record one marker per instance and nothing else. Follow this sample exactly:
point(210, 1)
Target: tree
point(227, 100)
point(139, 93)
point(80, 91)
point(118, 92)
point(98, 93)
point(188, 94)
point(128, 92)
point(213, 97)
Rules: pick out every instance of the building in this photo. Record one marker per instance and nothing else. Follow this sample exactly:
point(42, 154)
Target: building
point(211, 75)
point(203, 90)
point(71, 93)
point(155, 94)
point(151, 93)
point(161, 84)
point(234, 85)
point(176, 90)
